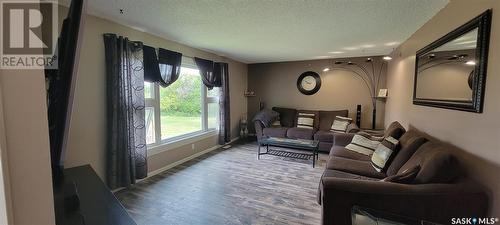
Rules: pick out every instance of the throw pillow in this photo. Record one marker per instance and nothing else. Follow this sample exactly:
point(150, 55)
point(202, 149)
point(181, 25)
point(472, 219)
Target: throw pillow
point(276, 123)
point(340, 124)
point(383, 153)
point(306, 120)
point(406, 177)
point(364, 143)
point(266, 117)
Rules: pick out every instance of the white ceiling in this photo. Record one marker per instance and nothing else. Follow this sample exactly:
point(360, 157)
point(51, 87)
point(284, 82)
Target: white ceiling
point(255, 31)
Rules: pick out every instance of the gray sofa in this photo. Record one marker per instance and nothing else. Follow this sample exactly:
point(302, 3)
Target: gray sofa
point(321, 131)
point(438, 192)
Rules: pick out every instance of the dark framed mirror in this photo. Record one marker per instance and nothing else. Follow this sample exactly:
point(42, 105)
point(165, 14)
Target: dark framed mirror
point(451, 71)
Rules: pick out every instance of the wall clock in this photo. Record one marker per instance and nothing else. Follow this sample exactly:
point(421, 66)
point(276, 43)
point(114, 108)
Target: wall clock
point(309, 83)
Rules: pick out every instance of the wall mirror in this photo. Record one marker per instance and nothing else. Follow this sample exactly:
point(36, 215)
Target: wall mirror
point(451, 72)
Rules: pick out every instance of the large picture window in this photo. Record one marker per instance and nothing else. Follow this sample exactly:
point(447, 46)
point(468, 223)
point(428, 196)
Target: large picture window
point(183, 109)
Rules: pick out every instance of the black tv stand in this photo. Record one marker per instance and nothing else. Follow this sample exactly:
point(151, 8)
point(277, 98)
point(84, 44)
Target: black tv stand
point(81, 198)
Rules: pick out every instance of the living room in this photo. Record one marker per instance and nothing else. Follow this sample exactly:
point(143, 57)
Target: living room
point(252, 112)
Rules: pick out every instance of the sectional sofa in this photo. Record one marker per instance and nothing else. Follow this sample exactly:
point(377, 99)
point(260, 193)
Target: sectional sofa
point(437, 193)
point(288, 129)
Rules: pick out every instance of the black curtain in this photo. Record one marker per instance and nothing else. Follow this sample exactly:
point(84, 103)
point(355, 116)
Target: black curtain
point(163, 69)
point(217, 75)
point(151, 69)
point(209, 78)
point(221, 71)
point(170, 66)
point(126, 133)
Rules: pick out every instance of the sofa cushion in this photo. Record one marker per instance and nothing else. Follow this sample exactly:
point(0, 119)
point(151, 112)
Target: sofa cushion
point(384, 153)
point(275, 131)
point(364, 143)
point(326, 118)
point(394, 130)
point(438, 165)
point(316, 117)
point(352, 128)
point(341, 175)
point(358, 167)
point(345, 175)
point(340, 124)
point(276, 123)
point(324, 136)
point(287, 116)
point(406, 177)
point(306, 120)
point(409, 142)
point(341, 139)
point(340, 151)
point(300, 133)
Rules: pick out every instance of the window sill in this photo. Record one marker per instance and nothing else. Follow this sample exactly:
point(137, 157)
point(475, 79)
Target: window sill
point(181, 141)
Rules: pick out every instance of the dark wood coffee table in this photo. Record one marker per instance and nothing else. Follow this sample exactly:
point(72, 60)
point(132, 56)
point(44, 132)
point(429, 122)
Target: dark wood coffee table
point(310, 145)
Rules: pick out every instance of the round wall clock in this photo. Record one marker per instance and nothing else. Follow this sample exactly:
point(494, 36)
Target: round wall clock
point(309, 83)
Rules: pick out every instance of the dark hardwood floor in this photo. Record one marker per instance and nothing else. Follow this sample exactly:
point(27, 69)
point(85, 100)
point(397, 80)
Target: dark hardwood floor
point(229, 187)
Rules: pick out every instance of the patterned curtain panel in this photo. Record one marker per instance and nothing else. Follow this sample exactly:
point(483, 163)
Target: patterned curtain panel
point(221, 70)
point(126, 142)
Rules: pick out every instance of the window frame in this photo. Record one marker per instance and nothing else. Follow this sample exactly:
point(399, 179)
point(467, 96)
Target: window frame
point(154, 102)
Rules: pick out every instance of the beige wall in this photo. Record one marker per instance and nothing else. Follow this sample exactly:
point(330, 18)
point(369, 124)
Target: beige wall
point(476, 134)
point(5, 200)
point(87, 141)
point(276, 85)
point(25, 147)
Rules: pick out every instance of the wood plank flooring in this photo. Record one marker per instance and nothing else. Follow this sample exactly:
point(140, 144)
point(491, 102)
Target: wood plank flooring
point(229, 187)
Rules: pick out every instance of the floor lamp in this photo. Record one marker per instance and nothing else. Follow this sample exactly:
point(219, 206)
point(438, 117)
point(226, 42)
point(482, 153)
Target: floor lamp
point(367, 72)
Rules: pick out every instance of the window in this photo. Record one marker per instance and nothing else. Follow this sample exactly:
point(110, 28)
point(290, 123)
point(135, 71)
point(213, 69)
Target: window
point(183, 109)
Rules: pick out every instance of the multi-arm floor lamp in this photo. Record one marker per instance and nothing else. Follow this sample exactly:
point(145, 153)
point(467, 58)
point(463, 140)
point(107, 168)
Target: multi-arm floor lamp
point(369, 75)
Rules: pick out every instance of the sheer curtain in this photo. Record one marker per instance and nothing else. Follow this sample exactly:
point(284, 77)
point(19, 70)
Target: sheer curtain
point(126, 142)
point(170, 66)
point(163, 69)
point(209, 78)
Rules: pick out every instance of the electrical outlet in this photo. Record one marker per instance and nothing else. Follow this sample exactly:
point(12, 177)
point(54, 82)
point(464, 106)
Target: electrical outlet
point(192, 146)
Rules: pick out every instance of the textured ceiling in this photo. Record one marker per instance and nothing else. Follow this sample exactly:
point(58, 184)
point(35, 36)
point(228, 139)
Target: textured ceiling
point(257, 31)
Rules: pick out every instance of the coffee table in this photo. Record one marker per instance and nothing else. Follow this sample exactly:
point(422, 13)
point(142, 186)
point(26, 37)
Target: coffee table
point(302, 144)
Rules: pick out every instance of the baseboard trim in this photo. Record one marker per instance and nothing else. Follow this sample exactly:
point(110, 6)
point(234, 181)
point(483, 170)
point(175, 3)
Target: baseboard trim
point(171, 165)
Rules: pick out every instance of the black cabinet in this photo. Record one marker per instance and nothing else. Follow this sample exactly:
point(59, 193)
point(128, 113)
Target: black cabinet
point(95, 204)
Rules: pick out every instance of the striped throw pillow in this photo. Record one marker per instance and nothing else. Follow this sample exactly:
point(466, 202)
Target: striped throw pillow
point(364, 143)
point(340, 124)
point(383, 153)
point(306, 120)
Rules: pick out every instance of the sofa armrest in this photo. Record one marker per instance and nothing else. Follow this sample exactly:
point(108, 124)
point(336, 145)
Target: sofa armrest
point(341, 139)
point(259, 127)
point(431, 202)
point(352, 128)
